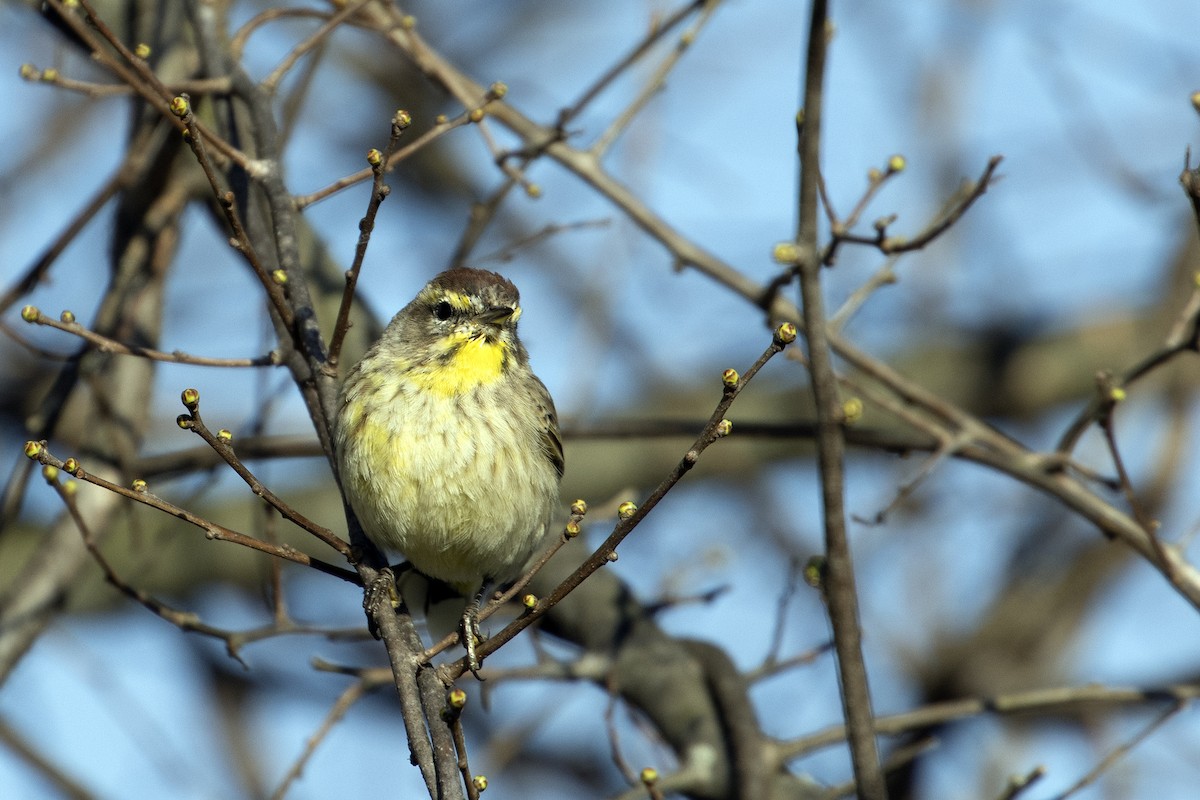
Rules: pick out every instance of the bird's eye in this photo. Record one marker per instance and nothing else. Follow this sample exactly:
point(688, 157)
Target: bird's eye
point(443, 310)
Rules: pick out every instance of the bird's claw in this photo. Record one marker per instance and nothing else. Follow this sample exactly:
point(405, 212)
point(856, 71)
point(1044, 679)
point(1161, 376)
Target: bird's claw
point(471, 636)
point(383, 587)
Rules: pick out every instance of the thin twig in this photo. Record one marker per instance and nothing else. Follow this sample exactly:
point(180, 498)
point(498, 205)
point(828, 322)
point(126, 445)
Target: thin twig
point(104, 344)
point(379, 191)
point(1019, 783)
point(1120, 752)
point(439, 129)
point(181, 106)
point(223, 447)
point(349, 696)
point(131, 69)
point(631, 514)
point(655, 83)
point(628, 60)
point(1057, 700)
point(271, 82)
point(184, 620)
point(39, 452)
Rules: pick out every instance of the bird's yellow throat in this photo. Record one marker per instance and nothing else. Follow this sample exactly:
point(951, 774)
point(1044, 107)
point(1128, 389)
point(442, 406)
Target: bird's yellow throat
point(472, 362)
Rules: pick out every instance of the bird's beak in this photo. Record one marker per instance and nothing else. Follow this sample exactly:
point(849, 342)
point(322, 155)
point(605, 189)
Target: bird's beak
point(497, 315)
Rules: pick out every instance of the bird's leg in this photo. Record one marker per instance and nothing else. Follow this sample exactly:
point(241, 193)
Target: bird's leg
point(470, 634)
point(384, 586)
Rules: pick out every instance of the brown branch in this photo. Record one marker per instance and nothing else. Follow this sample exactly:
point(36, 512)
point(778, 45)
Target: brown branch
point(1053, 701)
point(222, 444)
point(38, 270)
point(657, 79)
point(440, 128)
point(349, 696)
point(1121, 751)
point(379, 191)
point(271, 82)
point(38, 452)
point(104, 344)
point(272, 283)
point(1019, 783)
point(625, 62)
point(131, 69)
point(840, 593)
point(630, 514)
point(890, 245)
point(52, 77)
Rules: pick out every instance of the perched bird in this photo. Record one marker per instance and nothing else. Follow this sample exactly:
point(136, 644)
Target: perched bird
point(447, 443)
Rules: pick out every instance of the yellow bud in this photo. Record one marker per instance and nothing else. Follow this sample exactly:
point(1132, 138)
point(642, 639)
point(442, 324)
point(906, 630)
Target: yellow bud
point(649, 776)
point(497, 90)
point(730, 378)
point(785, 253)
point(724, 428)
point(190, 398)
point(1195, 95)
point(139, 486)
point(800, 118)
point(50, 473)
point(1117, 394)
point(180, 107)
point(374, 157)
point(70, 488)
point(33, 449)
point(184, 421)
point(402, 119)
point(785, 334)
point(50, 74)
point(579, 508)
point(529, 601)
point(29, 72)
point(408, 22)
point(627, 509)
point(441, 119)
point(852, 410)
point(814, 571)
point(225, 435)
point(142, 51)
point(457, 698)
point(279, 276)
point(533, 190)
point(572, 529)
point(873, 175)
point(30, 313)
point(476, 115)
point(896, 163)
point(67, 316)
point(71, 465)
point(480, 783)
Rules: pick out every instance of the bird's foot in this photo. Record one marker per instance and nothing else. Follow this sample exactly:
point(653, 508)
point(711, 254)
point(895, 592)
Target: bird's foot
point(470, 635)
point(381, 590)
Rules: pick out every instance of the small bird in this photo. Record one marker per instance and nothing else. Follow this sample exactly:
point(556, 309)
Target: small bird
point(447, 443)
